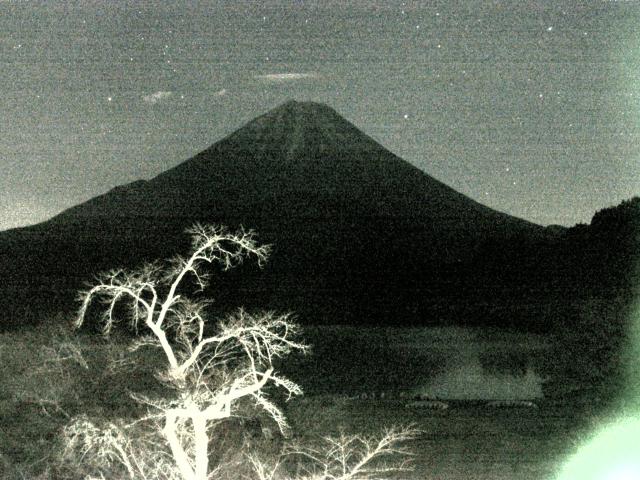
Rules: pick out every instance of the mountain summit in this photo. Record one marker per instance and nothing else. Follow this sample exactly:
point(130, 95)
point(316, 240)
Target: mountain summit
point(346, 217)
point(301, 159)
point(299, 127)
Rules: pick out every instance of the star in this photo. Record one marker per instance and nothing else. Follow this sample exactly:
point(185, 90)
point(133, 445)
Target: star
point(549, 29)
point(109, 99)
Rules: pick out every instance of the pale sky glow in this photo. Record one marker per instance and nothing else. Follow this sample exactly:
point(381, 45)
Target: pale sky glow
point(532, 108)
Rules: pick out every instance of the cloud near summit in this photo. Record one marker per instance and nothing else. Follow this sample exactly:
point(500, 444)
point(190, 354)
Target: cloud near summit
point(154, 98)
point(286, 77)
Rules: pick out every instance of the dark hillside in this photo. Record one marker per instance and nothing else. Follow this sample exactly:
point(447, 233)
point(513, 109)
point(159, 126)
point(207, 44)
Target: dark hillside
point(597, 272)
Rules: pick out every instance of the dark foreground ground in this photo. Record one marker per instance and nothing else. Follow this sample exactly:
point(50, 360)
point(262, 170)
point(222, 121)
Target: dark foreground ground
point(468, 440)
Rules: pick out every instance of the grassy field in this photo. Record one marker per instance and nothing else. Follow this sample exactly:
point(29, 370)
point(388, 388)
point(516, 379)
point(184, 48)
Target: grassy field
point(469, 440)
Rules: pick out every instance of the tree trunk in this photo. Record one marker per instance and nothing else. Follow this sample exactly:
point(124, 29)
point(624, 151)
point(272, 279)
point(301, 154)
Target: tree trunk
point(179, 455)
point(201, 447)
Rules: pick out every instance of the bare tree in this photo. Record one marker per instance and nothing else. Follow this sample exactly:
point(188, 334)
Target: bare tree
point(346, 457)
point(211, 370)
point(210, 373)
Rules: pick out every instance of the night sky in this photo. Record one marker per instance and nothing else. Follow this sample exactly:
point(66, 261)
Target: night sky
point(532, 108)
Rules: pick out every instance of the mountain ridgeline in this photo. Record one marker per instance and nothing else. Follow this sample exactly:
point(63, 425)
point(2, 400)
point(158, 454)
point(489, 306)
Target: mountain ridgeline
point(358, 234)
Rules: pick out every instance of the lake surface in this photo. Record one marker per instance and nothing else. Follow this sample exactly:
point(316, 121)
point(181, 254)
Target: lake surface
point(441, 362)
point(478, 365)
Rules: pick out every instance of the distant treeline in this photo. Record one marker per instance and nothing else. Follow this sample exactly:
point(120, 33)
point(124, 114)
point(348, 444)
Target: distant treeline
point(581, 286)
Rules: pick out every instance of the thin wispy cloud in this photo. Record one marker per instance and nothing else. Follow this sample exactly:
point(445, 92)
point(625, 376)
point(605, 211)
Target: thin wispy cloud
point(156, 97)
point(286, 77)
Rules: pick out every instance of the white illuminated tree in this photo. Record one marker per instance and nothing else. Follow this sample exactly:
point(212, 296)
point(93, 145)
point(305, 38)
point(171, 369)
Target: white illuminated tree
point(210, 373)
point(346, 457)
point(211, 369)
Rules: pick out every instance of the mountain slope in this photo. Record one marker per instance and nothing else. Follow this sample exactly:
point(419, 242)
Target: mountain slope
point(302, 155)
point(346, 217)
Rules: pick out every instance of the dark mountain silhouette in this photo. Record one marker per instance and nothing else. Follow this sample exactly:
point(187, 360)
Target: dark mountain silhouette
point(303, 157)
point(359, 234)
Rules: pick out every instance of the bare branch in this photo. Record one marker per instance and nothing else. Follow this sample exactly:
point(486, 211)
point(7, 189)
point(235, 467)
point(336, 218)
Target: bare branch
point(113, 287)
point(352, 457)
point(145, 341)
point(211, 244)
